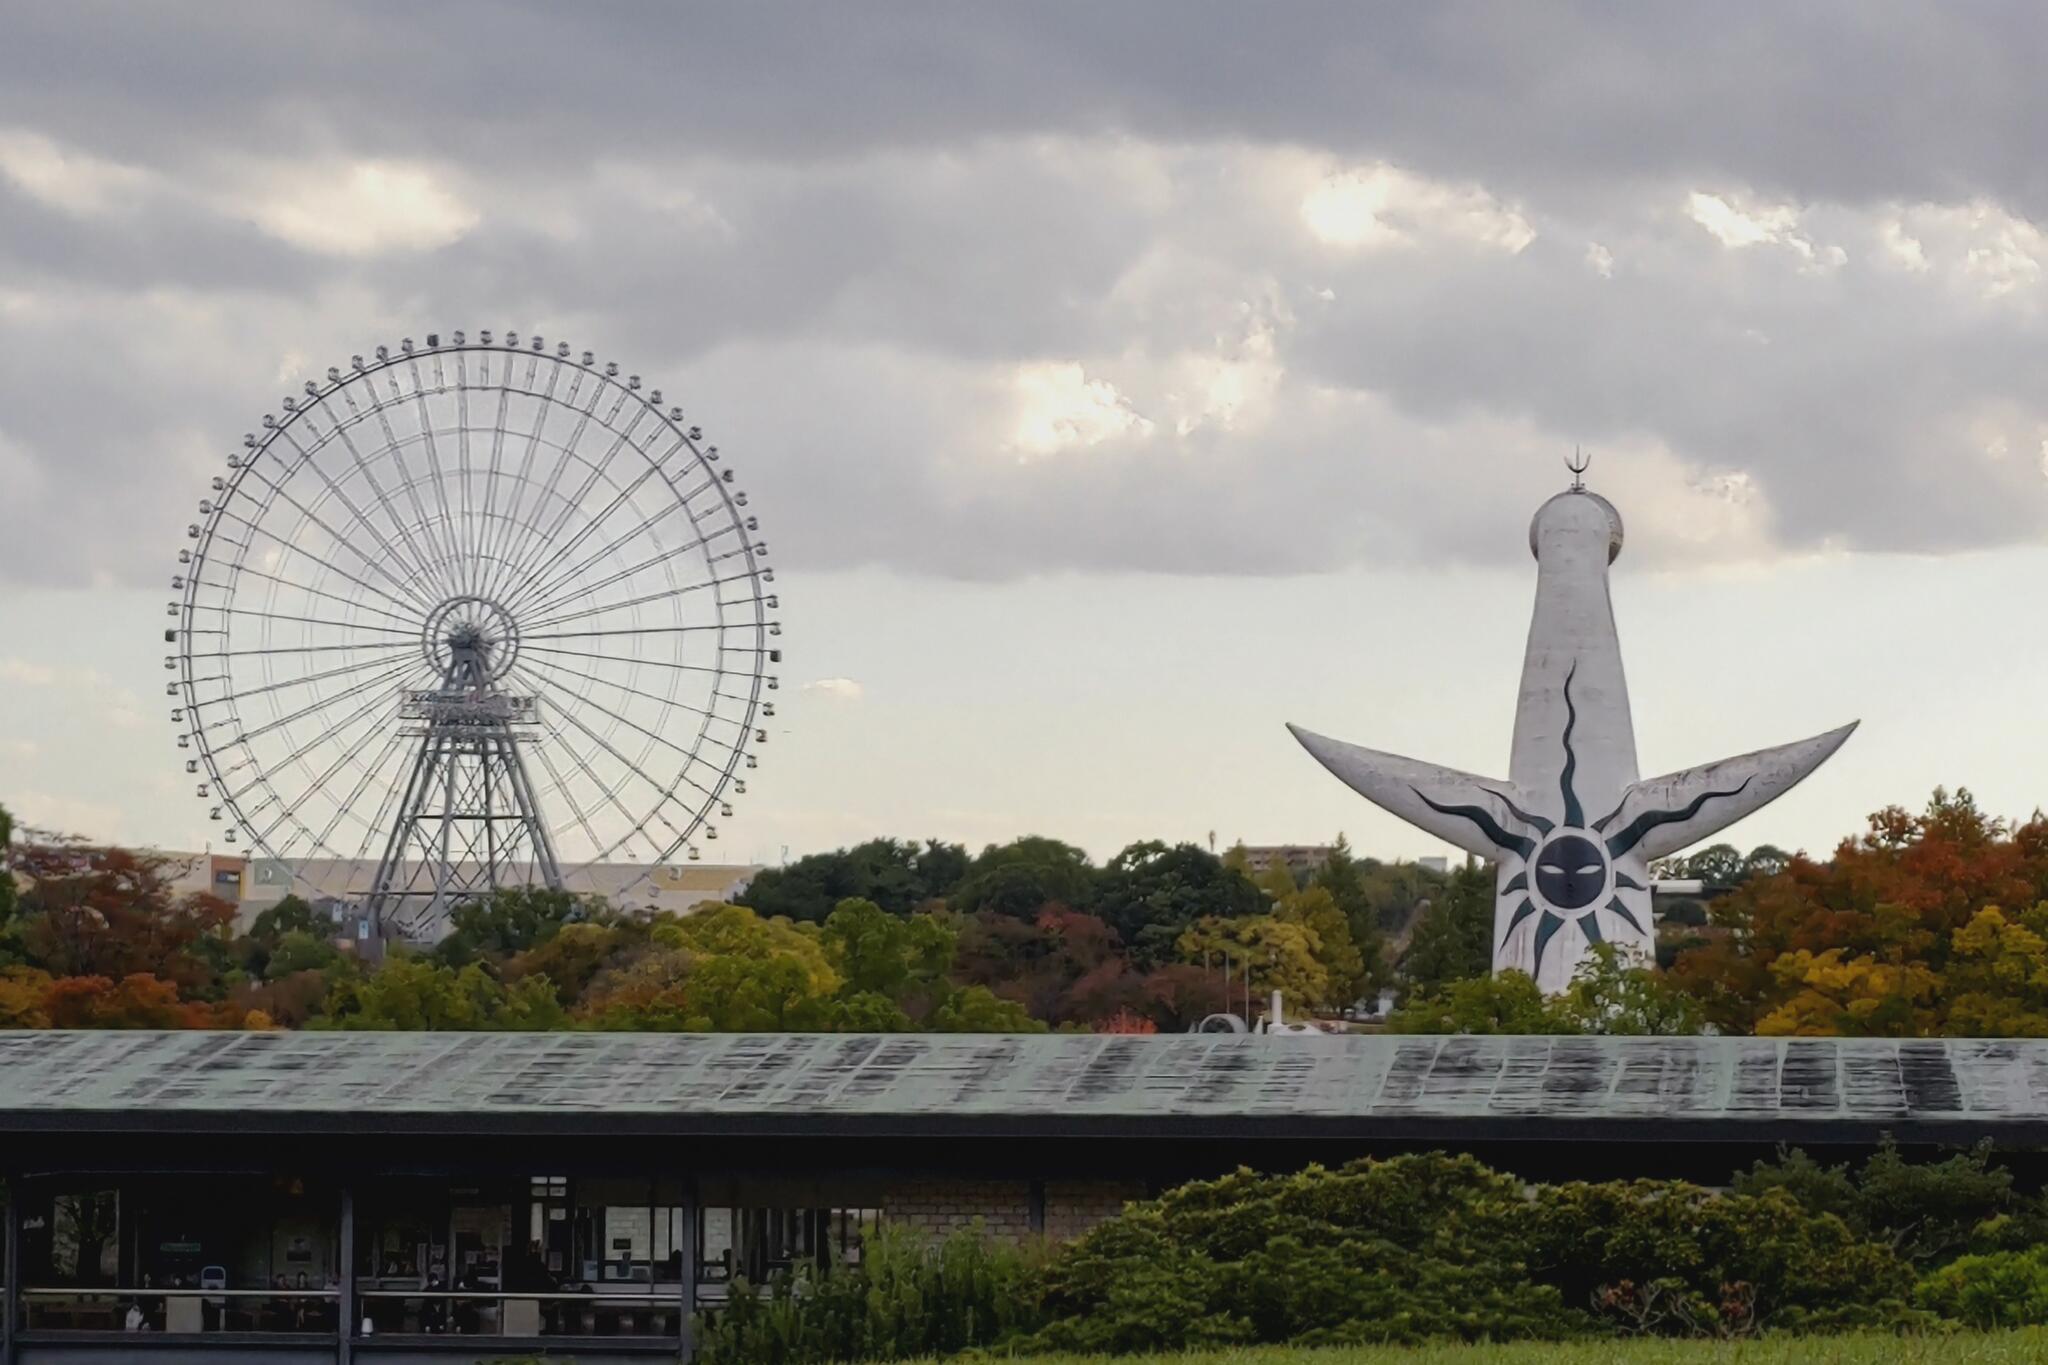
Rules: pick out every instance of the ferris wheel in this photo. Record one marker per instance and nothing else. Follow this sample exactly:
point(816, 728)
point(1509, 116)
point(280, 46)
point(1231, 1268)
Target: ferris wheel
point(467, 615)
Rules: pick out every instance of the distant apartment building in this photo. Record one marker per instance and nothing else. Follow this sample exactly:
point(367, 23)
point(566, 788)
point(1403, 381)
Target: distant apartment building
point(1300, 859)
point(1304, 859)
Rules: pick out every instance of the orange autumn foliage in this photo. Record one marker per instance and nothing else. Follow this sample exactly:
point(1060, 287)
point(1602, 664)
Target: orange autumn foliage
point(1888, 938)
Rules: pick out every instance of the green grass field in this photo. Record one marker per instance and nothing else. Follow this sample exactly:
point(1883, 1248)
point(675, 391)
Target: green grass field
point(1968, 1348)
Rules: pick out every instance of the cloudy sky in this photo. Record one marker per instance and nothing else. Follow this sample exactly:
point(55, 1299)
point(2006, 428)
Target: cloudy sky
point(1114, 382)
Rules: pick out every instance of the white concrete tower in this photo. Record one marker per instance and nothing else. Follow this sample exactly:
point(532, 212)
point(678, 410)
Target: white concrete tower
point(1573, 829)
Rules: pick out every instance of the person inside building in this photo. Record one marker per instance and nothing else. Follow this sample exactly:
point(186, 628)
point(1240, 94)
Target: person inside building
point(434, 1310)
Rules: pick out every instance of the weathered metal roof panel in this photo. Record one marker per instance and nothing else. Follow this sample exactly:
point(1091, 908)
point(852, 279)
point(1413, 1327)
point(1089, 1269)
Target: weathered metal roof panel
point(1725, 1080)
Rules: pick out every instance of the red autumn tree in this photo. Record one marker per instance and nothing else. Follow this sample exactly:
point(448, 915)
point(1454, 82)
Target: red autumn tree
point(113, 913)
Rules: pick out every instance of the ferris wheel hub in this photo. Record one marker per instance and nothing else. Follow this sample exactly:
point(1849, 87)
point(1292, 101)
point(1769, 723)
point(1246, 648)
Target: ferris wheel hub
point(473, 636)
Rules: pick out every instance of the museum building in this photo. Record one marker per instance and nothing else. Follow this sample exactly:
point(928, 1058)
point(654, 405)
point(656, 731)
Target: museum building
point(383, 1197)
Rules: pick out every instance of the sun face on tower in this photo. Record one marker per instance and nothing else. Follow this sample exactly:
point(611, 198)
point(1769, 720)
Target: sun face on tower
point(1571, 870)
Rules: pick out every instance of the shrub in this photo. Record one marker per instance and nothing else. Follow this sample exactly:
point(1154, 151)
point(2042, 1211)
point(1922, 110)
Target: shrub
point(1925, 1210)
point(1378, 1251)
point(1674, 1258)
point(903, 1299)
point(2003, 1289)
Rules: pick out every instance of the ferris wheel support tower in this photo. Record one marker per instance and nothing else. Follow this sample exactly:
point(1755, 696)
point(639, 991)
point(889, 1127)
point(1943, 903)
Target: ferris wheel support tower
point(470, 821)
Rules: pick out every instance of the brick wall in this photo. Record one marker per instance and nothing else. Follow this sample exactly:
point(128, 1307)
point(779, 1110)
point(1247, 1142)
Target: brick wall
point(1003, 1207)
point(1074, 1206)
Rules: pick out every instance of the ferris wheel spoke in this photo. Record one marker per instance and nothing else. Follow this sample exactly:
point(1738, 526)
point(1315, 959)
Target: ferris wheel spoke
point(426, 416)
point(491, 478)
point(531, 565)
point(462, 458)
point(319, 704)
point(567, 548)
point(197, 701)
point(408, 483)
point(505, 538)
point(645, 599)
point(536, 541)
point(290, 547)
point(570, 592)
point(360, 713)
point(630, 630)
point(666, 789)
point(306, 460)
point(410, 623)
point(412, 631)
point(384, 645)
point(563, 789)
point(367, 466)
point(672, 703)
point(547, 593)
point(613, 658)
point(634, 824)
point(385, 753)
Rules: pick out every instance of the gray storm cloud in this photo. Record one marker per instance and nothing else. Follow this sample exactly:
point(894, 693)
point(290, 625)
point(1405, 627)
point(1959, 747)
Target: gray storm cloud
point(988, 290)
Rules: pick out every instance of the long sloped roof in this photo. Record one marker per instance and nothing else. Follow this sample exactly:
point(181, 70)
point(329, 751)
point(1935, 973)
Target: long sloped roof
point(1364, 1085)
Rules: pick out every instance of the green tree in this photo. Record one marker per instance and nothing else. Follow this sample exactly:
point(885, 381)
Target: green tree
point(577, 954)
point(1150, 894)
point(887, 955)
point(1505, 1002)
point(1340, 876)
point(1316, 909)
point(411, 993)
point(868, 1012)
point(1397, 891)
point(8, 898)
point(1613, 994)
point(1925, 1210)
point(291, 914)
point(1025, 875)
point(720, 969)
point(1277, 881)
point(1453, 938)
point(512, 920)
point(979, 1010)
point(299, 951)
point(896, 875)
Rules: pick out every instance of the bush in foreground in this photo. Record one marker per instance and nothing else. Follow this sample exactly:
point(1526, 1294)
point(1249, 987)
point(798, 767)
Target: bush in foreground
point(1432, 1248)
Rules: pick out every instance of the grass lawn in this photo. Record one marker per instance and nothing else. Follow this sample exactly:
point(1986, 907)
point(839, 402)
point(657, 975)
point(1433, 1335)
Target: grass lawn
point(1966, 1348)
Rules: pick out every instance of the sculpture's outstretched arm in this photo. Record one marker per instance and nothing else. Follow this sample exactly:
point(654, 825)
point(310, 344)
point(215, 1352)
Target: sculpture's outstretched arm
point(1660, 815)
point(1474, 813)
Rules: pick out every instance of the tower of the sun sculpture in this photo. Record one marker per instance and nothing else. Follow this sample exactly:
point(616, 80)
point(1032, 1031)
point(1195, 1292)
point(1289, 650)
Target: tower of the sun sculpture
point(1573, 828)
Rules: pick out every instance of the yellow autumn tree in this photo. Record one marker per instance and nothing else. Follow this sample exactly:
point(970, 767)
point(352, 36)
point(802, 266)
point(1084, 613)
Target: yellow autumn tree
point(1861, 996)
point(1281, 955)
point(1997, 977)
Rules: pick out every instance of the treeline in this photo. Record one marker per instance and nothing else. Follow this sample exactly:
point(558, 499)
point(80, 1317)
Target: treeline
point(1924, 924)
point(886, 936)
point(1435, 1247)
